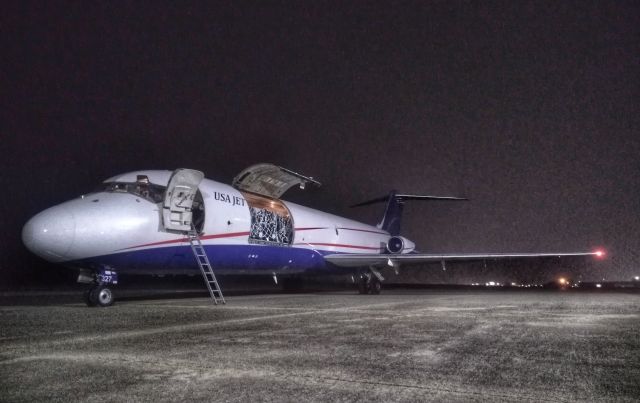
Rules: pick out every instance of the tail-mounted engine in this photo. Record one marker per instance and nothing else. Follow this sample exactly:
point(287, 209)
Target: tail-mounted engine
point(399, 244)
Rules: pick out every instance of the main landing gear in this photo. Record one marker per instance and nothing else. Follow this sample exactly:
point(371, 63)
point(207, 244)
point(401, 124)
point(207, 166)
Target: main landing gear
point(368, 283)
point(100, 293)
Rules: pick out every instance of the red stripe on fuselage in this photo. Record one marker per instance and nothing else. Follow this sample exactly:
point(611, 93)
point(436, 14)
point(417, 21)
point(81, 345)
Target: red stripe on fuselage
point(237, 234)
point(344, 228)
point(180, 240)
point(338, 245)
point(364, 230)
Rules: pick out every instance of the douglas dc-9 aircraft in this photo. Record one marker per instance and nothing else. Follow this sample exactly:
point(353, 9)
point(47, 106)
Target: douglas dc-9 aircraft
point(163, 222)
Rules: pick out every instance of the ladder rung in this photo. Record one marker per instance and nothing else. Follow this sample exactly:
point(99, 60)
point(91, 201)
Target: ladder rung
point(202, 259)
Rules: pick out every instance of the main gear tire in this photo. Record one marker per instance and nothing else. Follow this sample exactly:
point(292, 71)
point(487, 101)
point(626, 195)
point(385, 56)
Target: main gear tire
point(364, 285)
point(375, 286)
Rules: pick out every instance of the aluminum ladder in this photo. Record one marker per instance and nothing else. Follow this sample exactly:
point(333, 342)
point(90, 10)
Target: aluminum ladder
point(205, 267)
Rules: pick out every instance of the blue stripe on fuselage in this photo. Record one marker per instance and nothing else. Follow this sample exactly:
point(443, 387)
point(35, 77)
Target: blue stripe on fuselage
point(225, 259)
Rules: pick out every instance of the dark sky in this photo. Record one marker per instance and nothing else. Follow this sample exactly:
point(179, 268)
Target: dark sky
point(528, 108)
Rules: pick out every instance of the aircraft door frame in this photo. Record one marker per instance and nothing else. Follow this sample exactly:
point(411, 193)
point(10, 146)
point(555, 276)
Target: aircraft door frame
point(271, 221)
point(179, 196)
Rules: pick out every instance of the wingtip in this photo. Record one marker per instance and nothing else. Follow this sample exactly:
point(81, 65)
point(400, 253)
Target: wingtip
point(600, 253)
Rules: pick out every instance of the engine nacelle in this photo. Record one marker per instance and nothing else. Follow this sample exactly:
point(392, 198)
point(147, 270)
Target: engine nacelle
point(400, 244)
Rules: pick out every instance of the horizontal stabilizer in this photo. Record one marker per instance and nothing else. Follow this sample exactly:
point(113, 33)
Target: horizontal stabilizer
point(393, 213)
point(401, 198)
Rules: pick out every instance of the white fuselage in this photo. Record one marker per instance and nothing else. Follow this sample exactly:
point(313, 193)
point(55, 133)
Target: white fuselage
point(124, 231)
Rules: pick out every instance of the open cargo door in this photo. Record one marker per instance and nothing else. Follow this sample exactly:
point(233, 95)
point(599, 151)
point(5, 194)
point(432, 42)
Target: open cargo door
point(270, 180)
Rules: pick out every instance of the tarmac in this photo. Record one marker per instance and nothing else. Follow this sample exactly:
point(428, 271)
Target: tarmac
point(402, 345)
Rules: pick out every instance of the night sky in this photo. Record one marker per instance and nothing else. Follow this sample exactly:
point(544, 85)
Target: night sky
point(530, 109)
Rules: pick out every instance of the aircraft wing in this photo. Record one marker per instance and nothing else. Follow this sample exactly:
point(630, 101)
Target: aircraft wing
point(361, 260)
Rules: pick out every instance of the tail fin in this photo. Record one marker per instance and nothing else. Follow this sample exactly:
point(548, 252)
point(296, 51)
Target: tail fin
point(392, 218)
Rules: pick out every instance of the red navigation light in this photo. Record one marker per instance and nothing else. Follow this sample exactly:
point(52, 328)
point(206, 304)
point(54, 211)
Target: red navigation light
point(599, 253)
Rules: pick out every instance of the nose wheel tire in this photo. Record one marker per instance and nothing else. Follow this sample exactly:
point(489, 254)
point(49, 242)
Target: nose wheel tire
point(87, 298)
point(99, 296)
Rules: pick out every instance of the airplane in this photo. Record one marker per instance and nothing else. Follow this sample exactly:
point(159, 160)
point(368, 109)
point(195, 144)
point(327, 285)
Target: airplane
point(144, 222)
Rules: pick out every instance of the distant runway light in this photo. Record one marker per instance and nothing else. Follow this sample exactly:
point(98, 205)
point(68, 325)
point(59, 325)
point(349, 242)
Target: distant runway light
point(598, 285)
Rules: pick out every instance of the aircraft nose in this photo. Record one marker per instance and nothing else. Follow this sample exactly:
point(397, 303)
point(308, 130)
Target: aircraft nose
point(50, 233)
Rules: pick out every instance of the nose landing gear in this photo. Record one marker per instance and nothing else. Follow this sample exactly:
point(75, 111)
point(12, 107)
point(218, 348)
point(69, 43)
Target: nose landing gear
point(100, 293)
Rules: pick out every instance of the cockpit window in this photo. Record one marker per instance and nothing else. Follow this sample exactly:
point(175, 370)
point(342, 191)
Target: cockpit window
point(149, 191)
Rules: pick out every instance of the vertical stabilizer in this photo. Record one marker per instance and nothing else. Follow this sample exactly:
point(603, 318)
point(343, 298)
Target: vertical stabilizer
point(392, 219)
